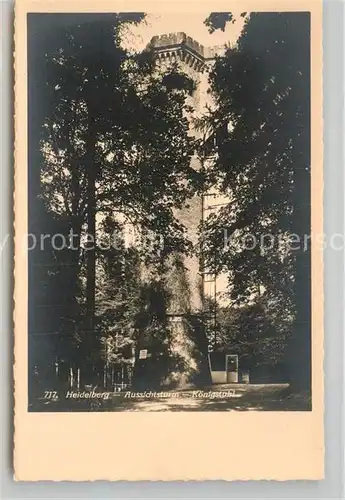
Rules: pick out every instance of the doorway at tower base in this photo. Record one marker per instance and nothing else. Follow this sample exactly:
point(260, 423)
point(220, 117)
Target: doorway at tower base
point(182, 364)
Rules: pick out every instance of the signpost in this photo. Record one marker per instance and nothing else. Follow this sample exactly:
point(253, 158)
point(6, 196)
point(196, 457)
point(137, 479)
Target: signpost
point(143, 354)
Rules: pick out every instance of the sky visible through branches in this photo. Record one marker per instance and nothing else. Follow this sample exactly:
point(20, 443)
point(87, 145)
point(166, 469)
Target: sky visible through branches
point(137, 37)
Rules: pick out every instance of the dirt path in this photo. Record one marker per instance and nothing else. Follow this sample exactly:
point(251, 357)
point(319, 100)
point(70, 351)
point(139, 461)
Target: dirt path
point(225, 397)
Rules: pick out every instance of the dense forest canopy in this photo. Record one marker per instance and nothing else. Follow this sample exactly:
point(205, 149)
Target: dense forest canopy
point(110, 147)
point(261, 119)
point(111, 142)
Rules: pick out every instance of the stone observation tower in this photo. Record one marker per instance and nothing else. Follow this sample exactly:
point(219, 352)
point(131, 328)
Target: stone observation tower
point(185, 278)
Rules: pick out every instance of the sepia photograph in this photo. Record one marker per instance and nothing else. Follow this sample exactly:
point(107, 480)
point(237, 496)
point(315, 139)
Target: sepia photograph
point(169, 211)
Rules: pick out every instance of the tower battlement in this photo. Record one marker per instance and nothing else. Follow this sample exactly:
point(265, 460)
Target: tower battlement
point(179, 44)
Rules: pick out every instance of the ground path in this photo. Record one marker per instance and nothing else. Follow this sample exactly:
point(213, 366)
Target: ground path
point(225, 397)
point(220, 397)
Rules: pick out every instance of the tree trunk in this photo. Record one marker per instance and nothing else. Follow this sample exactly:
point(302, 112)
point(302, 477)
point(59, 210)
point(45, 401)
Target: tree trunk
point(300, 347)
point(91, 230)
point(91, 252)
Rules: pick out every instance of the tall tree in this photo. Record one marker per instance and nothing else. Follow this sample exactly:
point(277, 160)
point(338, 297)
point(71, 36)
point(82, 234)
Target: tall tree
point(261, 118)
point(114, 142)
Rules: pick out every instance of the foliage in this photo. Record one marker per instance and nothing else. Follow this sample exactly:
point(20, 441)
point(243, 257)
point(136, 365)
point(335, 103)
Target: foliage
point(219, 20)
point(261, 123)
point(115, 151)
point(254, 333)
